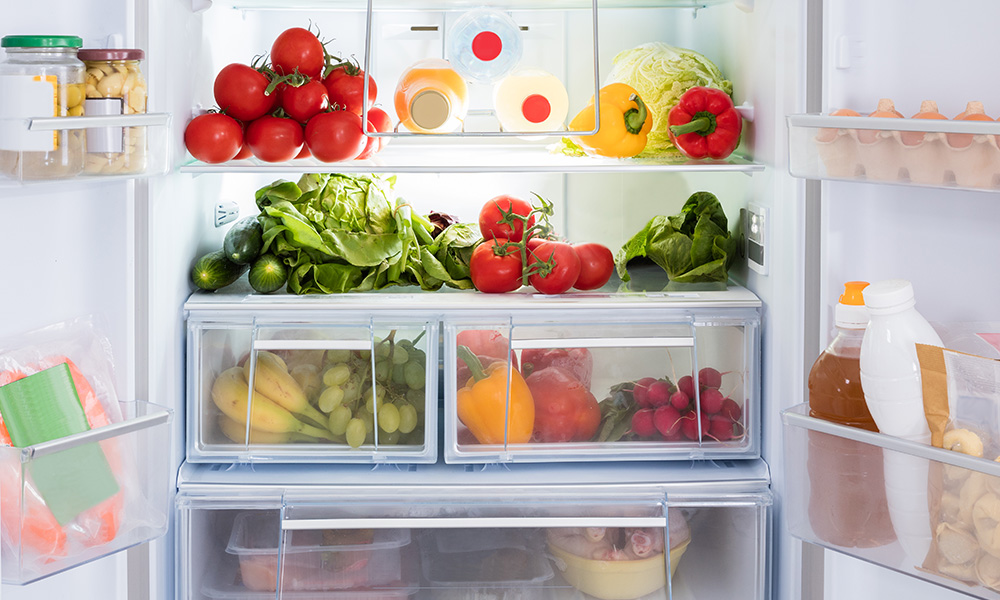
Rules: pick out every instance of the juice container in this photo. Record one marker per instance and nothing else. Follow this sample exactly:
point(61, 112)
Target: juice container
point(847, 502)
point(431, 97)
point(531, 100)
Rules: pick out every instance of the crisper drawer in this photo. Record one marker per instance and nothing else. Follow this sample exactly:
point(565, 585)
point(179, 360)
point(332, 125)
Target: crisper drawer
point(610, 542)
point(913, 508)
point(607, 384)
point(79, 498)
point(314, 396)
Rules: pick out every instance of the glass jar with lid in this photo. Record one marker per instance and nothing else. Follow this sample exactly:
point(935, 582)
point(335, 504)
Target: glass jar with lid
point(114, 86)
point(40, 76)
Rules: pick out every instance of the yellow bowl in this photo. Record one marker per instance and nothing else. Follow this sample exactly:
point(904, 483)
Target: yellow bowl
point(616, 579)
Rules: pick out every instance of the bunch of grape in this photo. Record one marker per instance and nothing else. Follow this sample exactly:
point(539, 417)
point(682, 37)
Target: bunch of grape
point(396, 404)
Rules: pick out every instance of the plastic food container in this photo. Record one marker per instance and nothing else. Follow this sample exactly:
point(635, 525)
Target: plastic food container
point(40, 77)
point(314, 560)
point(616, 579)
point(496, 574)
point(114, 86)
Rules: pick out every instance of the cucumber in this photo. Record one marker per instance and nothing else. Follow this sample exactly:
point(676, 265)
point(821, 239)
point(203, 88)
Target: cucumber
point(244, 241)
point(268, 274)
point(213, 271)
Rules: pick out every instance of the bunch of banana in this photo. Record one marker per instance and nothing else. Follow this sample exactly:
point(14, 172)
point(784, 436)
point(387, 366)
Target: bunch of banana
point(277, 399)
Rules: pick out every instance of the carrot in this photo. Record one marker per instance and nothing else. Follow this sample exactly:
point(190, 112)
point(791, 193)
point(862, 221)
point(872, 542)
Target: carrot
point(828, 134)
point(884, 109)
point(974, 111)
point(928, 110)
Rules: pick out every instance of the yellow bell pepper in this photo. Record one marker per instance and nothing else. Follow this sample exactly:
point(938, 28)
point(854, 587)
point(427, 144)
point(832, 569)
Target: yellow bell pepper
point(625, 123)
point(483, 402)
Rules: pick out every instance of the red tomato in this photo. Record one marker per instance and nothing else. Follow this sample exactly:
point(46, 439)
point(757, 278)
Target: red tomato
point(383, 124)
point(239, 91)
point(371, 144)
point(274, 139)
point(489, 346)
point(561, 275)
point(596, 265)
point(213, 137)
point(346, 87)
point(491, 214)
point(298, 48)
point(305, 101)
point(579, 362)
point(565, 411)
point(304, 152)
point(493, 269)
point(335, 136)
point(244, 152)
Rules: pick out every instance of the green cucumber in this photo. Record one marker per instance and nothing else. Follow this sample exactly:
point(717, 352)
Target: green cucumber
point(244, 241)
point(213, 271)
point(268, 274)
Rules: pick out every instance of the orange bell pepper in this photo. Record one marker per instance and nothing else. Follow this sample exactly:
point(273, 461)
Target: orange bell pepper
point(625, 123)
point(485, 407)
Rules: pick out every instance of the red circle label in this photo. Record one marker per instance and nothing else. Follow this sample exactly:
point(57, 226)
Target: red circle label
point(487, 45)
point(536, 108)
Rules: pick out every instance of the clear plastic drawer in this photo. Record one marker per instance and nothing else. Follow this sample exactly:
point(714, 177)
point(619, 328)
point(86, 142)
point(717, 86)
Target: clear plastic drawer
point(86, 496)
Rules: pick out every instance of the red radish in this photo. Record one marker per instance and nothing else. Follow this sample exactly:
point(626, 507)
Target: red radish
point(680, 400)
point(709, 378)
point(641, 391)
point(689, 425)
point(711, 401)
point(667, 420)
point(720, 428)
point(658, 393)
point(686, 385)
point(731, 410)
point(642, 423)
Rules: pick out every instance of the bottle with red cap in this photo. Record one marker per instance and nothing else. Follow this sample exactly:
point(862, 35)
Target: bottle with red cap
point(531, 100)
point(484, 45)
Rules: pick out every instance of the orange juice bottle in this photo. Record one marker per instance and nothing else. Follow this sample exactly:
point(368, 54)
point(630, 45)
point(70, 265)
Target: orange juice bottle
point(431, 97)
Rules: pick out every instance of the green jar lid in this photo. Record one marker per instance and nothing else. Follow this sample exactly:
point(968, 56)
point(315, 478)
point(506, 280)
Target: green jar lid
point(41, 41)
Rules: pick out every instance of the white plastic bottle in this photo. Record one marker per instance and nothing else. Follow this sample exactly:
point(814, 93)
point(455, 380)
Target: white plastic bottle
point(484, 45)
point(890, 379)
point(531, 100)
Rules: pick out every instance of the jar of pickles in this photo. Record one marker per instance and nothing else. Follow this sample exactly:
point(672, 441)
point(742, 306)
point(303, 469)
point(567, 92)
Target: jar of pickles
point(114, 86)
point(40, 76)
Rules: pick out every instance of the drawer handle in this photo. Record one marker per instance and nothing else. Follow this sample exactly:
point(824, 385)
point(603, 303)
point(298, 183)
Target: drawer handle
point(645, 342)
point(312, 345)
point(470, 522)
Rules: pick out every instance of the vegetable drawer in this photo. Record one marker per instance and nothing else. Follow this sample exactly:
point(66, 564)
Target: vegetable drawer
point(86, 496)
point(315, 399)
point(919, 510)
point(444, 532)
point(655, 379)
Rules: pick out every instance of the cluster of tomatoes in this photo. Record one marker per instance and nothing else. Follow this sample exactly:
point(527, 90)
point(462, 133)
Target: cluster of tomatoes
point(305, 103)
point(514, 252)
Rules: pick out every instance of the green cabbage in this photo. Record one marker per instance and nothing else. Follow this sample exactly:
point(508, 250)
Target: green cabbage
point(661, 73)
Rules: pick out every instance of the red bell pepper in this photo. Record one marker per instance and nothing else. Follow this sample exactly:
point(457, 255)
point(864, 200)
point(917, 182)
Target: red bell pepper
point(578, 361)
point(565, 411)
point(705, 124)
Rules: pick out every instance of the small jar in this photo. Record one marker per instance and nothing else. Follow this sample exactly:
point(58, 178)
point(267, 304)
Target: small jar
point(114, 86)
point(40, 76)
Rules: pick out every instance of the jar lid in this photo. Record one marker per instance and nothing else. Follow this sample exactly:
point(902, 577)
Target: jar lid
point(41, 41)
point(97, 54)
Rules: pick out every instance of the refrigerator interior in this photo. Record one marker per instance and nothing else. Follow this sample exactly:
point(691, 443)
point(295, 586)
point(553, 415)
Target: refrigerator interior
point(155, 228)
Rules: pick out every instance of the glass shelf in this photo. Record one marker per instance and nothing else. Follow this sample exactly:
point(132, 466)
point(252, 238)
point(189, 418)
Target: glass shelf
point(495, 156)
point(457, 5)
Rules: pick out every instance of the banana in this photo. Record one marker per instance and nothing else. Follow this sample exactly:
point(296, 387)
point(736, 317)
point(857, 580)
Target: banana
point(230, 391)
point(237, 433)
point(274, 381)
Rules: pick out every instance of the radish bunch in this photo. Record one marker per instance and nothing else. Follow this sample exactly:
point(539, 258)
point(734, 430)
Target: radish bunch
point(667, 411)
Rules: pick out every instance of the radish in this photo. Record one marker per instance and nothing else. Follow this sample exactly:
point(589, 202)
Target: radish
point(721, 428)
point(641, 391)
point(711, 401)
point(710, 378)
point(686, 385)
point(731, 409)
point(680, 400)
point(658, 393)
point(642, 423)
point(667, 420)
point(689, 425)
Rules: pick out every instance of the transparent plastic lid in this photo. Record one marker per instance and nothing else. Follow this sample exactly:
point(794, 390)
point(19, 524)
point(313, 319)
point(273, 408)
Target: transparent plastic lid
point(258, 532)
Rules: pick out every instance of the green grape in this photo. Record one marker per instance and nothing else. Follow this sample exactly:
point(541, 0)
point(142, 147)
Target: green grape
point(382, 371)
point(331, 398)
point(408, 344)
point(388, 418)
point(368, 420)
point(399, 374)
point(337, 375)
point(415, 437)
point(339, 418)
point(418, 355)
point(364, 355)
point(415, 376)
point(416, 398)
point(407, 418)
point(379, 399)
point(389, 439)
point(355, 432)
point(400, 356)
point(382, 349)
point(338, 356)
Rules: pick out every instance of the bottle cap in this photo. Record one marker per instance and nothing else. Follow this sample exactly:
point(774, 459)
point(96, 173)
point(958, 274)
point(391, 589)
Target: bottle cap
point(851, 312)
point(536, 108)
point(430, 109)
point(891, 294)
point(486, 45)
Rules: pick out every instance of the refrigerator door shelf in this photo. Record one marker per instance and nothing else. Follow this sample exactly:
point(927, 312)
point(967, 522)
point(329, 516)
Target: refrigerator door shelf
point(919, 510)
point(313, 389)
point(49, 524)
point(924, 152)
